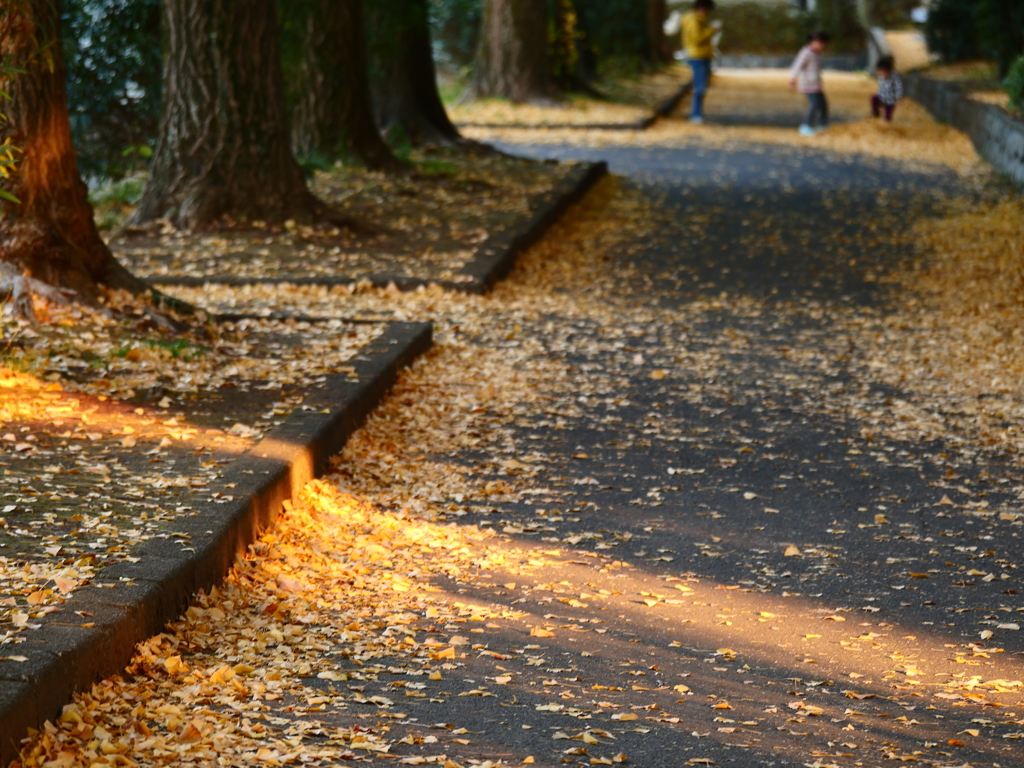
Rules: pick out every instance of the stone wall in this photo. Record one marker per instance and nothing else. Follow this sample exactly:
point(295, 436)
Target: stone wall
point(997, 135)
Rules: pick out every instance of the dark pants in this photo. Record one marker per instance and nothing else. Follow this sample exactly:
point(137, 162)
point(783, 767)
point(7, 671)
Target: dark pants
point(817, 113)
point(701, 77)
point(878, 106)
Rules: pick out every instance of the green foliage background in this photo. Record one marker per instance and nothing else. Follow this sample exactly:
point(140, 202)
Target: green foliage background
point(612, 33)
point(456, 29)
point(112, 49)
point(1015, 85)
point(961, 30)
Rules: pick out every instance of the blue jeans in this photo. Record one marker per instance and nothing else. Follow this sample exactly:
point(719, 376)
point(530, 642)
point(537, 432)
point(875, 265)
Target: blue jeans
point(817, 110)
point(701, 76)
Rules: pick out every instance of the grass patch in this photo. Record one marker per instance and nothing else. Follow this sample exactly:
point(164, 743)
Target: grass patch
point(313, 163)
point(178, 349)
point(114, 200)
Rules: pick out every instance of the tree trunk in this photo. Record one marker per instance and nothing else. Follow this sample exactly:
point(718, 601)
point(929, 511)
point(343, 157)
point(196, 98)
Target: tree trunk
point(50, 234)
point(865, 13)
point(224, 151)
point(587, 66)
point(660, 51)
point(405, 96)
point(512, 60)
point(334, 111)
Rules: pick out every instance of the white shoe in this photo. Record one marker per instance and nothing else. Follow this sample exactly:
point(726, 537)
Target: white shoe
point(806, 130)
point(697, 120)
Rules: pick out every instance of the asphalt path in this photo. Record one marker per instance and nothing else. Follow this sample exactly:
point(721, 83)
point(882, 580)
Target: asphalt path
point(727, 565)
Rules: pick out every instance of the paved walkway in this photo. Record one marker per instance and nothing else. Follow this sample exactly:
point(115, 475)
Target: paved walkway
point(726, 535)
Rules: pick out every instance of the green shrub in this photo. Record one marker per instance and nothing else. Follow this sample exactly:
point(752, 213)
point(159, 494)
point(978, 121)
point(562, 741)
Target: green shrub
point(950, 31)
point(1014, 85)
point(1000, 25)
point(456, 29)
point(113, 56)
point(963, 30)
point(114, 199)
point(126, 191)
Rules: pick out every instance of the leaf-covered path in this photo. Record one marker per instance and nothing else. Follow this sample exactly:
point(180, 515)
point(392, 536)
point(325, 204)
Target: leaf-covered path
point(719, 476)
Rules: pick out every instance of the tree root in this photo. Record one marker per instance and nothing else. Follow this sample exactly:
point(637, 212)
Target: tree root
point(22, 290)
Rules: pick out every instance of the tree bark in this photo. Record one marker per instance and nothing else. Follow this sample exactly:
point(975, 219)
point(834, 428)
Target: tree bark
point(512, 60)
point(50, 235)
point(865, 13)
point(660, 51)
point(587, 66)
point(404, 80)
point(334, 112)
point(224, 151)
point(562, 50)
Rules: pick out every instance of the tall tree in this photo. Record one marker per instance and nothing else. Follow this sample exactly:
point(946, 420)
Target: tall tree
point(224, 149)
point(563, 48)
point(48, 237)
point(512, 59)
point(660, 49)
point(333, 114)
point(405, 95)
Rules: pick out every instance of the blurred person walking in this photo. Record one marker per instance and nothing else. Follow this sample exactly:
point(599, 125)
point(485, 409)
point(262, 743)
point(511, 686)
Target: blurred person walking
point(806, 75)
point(697, 40)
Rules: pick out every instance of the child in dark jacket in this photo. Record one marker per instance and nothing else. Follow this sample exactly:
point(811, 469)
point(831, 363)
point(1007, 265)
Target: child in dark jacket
point(890, 89)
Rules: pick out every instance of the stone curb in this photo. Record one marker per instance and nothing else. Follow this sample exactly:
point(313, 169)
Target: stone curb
point(667, 107)
point(998, 137)
point(498, 253)
point(94, 633)
point(493, 260)
point(664, 109)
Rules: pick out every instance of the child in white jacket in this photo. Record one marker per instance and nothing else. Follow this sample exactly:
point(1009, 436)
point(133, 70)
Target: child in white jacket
point(806, 74)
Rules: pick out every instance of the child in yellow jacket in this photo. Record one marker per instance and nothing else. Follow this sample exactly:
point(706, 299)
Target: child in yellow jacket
point(697, 36)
